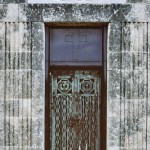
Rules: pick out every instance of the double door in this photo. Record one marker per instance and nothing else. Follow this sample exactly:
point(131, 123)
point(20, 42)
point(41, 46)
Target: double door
point(75, 109)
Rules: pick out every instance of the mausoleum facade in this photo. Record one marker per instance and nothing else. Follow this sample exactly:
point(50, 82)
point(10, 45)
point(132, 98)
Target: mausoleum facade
point(28, 80)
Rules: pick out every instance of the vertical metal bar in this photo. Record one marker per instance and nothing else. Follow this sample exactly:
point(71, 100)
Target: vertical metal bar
point(47, 91)
point(60, 126)
point(103, 94)
point(89, 122)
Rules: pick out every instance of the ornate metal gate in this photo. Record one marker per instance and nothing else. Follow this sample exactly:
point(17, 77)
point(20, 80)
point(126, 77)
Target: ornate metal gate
point(75, 109)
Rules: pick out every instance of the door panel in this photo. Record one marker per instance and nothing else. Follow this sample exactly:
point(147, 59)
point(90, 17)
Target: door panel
point(75, 109)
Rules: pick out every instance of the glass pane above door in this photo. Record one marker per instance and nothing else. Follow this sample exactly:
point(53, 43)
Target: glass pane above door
point(76, 47)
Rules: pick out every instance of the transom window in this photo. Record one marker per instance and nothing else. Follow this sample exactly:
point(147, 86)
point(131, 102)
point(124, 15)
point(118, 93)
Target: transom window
point(76, 47)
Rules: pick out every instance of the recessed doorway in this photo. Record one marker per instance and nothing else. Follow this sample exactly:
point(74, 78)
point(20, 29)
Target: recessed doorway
point(75, 106)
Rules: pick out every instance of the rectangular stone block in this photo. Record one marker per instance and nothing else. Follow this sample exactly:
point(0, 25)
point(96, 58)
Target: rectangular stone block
point(18, 60)
point(3, 11)
point(142, 61)
point(9, 127)
point(34, 12)
point(18, 108)
point(23, 9)
point(2, 60)
point(126, 83)
point(26, 108)
point(38, 84)
point(18, 131)
point(9, 12)
point(148, 123)
point(134, 15)
point(134, 38)
point(126, 39)
point(102, 13)
point(9, 86)
point(2, 36)
point(114, 44)
point(38, 37)
point(38, 93)
point(26, 126)
point(57, 13)
point(18, 37)
point(18, 85)
point(38, 61)
point(134, 60)
point(2, 85)
point(113, 133)
point(2, 115)
point(113, 108)
point(113, 84)
point(38, 107)
point(2, 108)
point(114, 60)
point(26, 132)
point(38, 132)
point(24, 36)
point(134, 84)
point(71, 12)
point(133, 123)
point(137, 37)
point(9, 108)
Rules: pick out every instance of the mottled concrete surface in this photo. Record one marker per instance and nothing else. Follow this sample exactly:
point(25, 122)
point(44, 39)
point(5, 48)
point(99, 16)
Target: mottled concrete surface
point(22, 71)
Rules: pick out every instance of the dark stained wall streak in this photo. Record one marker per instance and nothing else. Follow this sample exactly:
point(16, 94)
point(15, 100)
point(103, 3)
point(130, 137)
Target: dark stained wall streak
point(18, 96)
point(128, 85)
point(134, 86)
point(2, 82)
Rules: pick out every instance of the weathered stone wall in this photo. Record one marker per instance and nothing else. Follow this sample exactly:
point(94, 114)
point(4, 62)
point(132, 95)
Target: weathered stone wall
point(22, 71)
point(22, 77)
point(127, 87)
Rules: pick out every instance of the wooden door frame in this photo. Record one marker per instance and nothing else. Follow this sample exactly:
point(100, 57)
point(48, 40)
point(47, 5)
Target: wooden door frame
point(103, 128)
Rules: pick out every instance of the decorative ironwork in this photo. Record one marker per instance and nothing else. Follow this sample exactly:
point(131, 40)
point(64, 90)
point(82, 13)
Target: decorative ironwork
point(75, 110)
point(86, 86)
point(64, 86)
